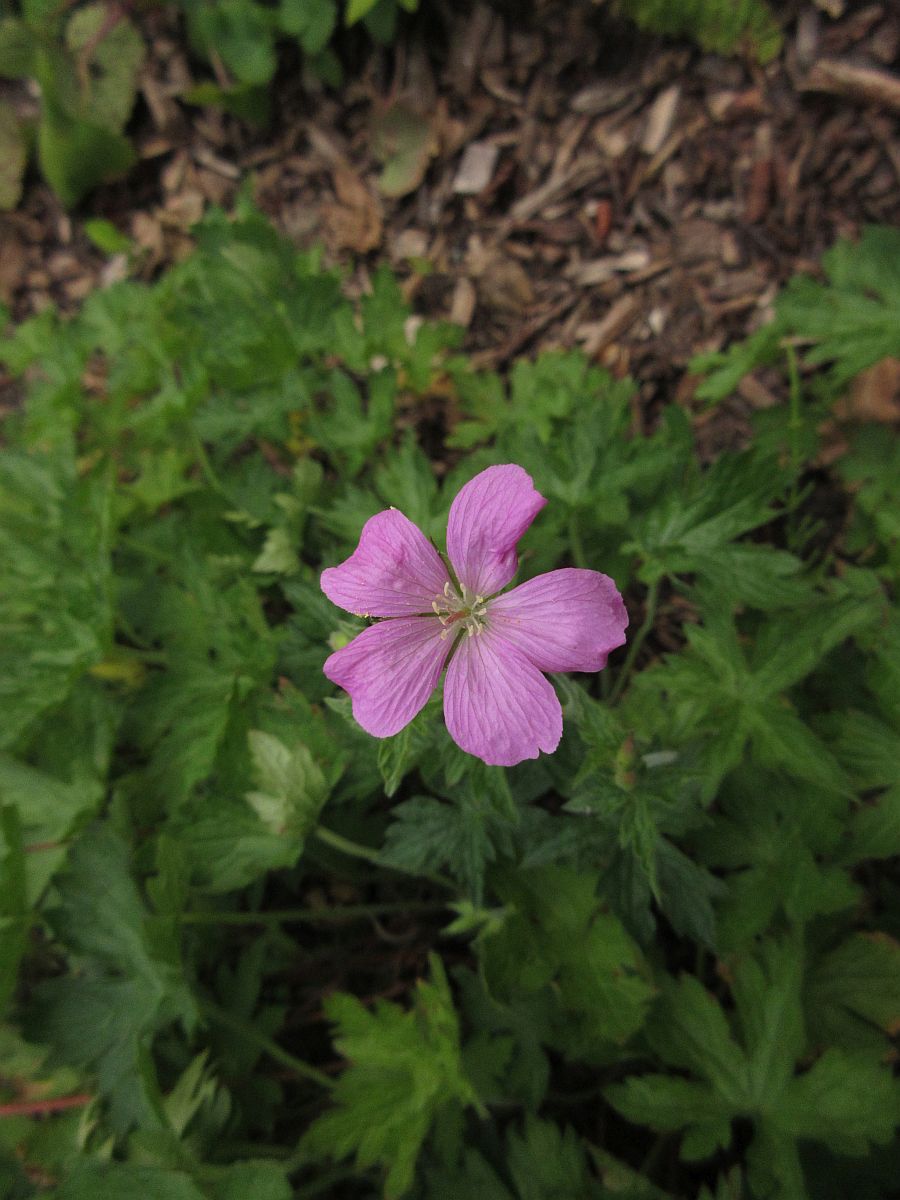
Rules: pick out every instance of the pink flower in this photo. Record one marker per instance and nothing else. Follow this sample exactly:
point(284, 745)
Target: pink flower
point(497, 704)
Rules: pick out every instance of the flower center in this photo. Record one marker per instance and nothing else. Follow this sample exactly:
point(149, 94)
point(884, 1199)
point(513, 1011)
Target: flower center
point(465, 611)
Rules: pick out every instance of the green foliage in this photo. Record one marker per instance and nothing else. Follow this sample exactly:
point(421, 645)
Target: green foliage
point(87, 64)
point(723, 26)
point(405, 1073)
point(844, 1100)
point(672, 946)
point(128, 985)
point(87, 59)
point(849, 320)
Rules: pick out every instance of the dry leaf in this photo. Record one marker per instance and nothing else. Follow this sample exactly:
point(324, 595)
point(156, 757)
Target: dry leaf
point(355, 222)
point(874, 394)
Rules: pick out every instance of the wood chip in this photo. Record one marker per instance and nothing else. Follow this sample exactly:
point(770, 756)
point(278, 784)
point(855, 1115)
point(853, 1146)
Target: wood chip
point(573, 177)
point(214, 163)
point(595, 336)
point(807, 40)
point(476, 168)
point(868, 85)
point(660, 118)
point(602, 98)
point(600, 270)
point(462, 308)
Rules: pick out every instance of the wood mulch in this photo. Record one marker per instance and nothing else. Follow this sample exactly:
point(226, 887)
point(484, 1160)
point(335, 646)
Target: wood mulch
point(571, 182)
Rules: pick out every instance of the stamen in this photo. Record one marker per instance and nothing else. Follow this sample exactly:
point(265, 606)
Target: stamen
point(468, 610)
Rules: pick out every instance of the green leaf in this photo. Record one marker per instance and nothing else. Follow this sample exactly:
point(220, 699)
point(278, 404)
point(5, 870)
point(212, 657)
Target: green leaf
point(292, 787)
point(14, 916)
point(130, 985)
point(349, 431)
point(620, 1179)
point(689, 1029)
point(107, 237)
point(75, 155)
point(874, 830)
point(124, 1181)
point(848, 1101)
point(48, 812)
point(110, 57)
point(242, 32)
point(404, 1071)
point(17, 49)
point(546, 1161)
point(230, 847)
point(399, 755)
point(667, 1103)
point(767, 997)
point(405, 480)
point(357, 9)
point(278, 555)
point(471, 1177)
point(250, 102)
point(854, 987)
point(312, 21)
point(560, 939)
point(854, 318)
point(869, 748)
point(723, 26)
point(405, 143)
point(55, 612)
point(465, 834)
point(252, 1178)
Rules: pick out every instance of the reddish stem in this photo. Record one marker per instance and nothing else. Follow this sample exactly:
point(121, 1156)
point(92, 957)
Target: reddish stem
point(39, 1108)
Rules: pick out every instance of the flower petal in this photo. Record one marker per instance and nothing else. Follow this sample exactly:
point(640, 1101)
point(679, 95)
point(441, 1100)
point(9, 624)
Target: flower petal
point(487, 518)
point(393, 572)
point(567, 620)
point(497, 705)
point(390, 670)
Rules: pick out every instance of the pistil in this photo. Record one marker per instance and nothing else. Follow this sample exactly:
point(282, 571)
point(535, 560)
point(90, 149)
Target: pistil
point(450, 608)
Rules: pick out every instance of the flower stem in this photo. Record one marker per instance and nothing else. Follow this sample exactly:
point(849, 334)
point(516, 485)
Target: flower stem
point(250, 1033)
point(575, 540)
point(634, 649)
point(356, 850)
point(286, 916)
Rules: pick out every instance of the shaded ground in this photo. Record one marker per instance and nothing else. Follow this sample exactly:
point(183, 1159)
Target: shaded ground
point(577, 183)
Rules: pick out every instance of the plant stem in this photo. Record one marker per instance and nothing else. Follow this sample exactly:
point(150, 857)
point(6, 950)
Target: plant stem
point(250, 1033)
point(638, 641)
point(356, 850)
point(575, 540)
point(207, 469)
point(278, 916)
point(795, 425)
point(40, 1108)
